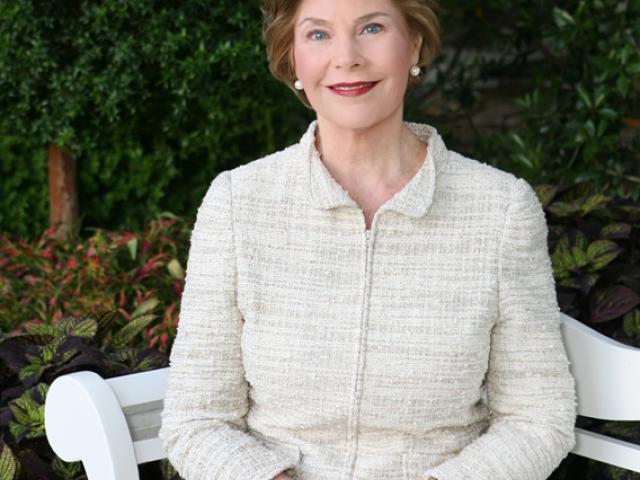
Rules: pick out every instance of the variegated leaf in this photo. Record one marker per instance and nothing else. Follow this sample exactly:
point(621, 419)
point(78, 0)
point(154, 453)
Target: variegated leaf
point(130, 330)
point(602, 252)
point(8, 464)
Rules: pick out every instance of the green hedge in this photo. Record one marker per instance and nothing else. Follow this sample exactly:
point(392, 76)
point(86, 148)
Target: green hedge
point(565, 76)
point(151, 97)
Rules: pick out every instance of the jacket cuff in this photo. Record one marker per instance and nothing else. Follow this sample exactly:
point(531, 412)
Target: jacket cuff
point(255, 461)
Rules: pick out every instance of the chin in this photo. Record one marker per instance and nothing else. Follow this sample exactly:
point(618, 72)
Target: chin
point(355, 118)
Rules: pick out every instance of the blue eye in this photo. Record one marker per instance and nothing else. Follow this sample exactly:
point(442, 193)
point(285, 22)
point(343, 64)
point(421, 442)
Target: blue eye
point(313, 35)
point(376, 26)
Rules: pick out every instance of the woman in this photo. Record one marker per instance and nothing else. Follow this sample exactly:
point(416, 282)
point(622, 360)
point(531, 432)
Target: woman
point(349, 298)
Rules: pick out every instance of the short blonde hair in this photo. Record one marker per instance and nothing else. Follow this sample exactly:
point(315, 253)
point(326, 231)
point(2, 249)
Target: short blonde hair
point(278, 26)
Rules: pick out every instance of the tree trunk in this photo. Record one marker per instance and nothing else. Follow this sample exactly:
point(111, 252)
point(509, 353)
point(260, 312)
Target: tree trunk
point(63, 194)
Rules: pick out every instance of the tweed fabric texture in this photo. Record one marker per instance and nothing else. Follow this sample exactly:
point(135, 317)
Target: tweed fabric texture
point(427, 346)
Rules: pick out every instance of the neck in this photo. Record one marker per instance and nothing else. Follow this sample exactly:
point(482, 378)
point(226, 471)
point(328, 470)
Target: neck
point(384, 154)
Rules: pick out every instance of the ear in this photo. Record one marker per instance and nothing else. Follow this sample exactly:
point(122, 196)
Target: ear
point(416, 47)
point(292, 61)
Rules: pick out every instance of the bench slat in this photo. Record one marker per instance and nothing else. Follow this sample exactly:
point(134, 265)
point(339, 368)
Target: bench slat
point(607, 449)
point(140, 388)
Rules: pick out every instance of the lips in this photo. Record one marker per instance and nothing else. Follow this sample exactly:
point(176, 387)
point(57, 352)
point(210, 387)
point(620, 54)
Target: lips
point(352, 89)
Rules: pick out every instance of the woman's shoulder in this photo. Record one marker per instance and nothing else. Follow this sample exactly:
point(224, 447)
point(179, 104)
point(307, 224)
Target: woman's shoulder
point(463, 172)
point(268, 181)
point(270, 167)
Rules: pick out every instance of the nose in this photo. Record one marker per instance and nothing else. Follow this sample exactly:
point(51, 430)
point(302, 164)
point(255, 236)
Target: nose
point(347, 53)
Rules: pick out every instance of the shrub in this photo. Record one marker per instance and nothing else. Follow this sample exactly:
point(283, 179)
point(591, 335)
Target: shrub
point(30, 362)
point(81, 306)
point(129, 273)
point(594, 243)
point(547, 90)
point(151, 98)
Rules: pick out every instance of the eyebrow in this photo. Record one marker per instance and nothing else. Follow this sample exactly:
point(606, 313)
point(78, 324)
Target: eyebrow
point(368, 16)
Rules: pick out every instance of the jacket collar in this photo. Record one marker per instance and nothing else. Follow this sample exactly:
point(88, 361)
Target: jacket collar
point(413, 200)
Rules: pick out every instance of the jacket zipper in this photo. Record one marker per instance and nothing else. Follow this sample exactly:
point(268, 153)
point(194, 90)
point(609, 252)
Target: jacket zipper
point(353, 427)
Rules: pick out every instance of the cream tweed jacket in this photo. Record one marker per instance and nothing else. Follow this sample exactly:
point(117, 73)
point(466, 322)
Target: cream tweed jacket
point(310, 344)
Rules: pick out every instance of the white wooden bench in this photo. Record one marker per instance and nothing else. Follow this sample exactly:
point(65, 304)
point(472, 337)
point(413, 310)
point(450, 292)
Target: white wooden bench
point(112, 425)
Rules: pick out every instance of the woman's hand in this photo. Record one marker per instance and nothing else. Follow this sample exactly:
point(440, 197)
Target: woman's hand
point(282, 476)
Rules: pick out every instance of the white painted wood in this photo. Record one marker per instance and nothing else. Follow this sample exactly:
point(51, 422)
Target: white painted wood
point(140, 388)
point(606, 388)
point(607, 449)
point(83, 421)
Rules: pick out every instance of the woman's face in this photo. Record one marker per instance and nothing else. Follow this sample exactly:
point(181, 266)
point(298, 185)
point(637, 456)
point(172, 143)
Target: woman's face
point(347, 41)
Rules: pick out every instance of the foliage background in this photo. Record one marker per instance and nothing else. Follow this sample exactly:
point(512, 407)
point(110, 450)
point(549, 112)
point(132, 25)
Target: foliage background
point(154, 98)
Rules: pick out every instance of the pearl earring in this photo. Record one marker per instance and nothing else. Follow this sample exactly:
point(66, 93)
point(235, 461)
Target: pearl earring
point(415, 71)
point(298, 85)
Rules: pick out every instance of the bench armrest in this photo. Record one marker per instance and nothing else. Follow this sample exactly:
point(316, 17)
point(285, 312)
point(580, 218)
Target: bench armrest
point(84, 421)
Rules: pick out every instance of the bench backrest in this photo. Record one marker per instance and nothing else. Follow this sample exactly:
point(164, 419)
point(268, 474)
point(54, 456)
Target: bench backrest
point(112, 425)
point(607, 389)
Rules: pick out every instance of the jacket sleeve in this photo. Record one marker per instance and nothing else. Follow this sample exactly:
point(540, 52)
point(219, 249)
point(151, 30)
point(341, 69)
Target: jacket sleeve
point(203, 429)
point(531, 392)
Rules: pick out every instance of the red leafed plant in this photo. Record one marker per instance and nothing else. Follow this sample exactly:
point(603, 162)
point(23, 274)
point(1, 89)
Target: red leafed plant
point(131, 273)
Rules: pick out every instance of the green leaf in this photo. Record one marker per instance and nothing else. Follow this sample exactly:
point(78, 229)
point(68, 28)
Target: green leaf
point(105, 322)
point(168, 471)
point(579, 257)
point(590, 128)
point(561, 259)
point(624, 54)
point(632, 212)
point(623, 86)
point(48, 351)
point(563, 209)
point(175, 269)
point(33, 369)
point(523, 159)
point(631, 323)
point(600, 96)
point(17, 430)
point(545, 193)
point(145, 307)
point(40, 329)
point(608, 113)
point(130, 330)
point(23, 408)
point(616, 230)
point(149, 363)
point(28, 413)
point(8, 464)
point(602, 252)
point(562, 18)
point(85, 328)
point(132, 245)
point(517, 139)
point(584, 96)
point(67, 470)
point(594, 202)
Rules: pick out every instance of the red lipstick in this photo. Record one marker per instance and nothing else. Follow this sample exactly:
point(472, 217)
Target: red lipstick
point(353, 89)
